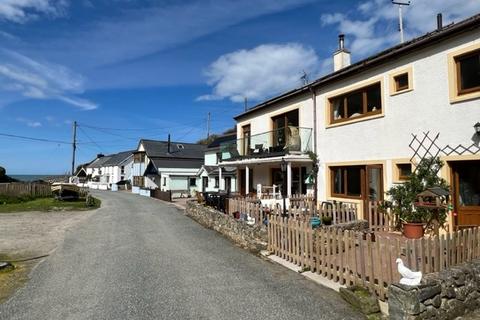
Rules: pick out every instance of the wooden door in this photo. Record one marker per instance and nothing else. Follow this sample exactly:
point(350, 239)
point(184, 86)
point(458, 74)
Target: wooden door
point(466, 192)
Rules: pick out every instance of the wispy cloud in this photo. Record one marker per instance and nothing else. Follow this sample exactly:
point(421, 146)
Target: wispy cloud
point(41, 80)
point(374, 23)
point(21, 11)
point(260, 72)
point(30, 123)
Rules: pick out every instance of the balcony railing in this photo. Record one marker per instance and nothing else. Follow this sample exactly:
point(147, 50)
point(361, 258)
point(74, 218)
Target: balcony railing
point(289, 140)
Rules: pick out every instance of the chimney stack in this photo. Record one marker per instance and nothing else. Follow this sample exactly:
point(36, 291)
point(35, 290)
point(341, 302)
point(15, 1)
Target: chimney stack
point(341, 57)
point(439, 22)
point(169, 143)
point(99, 155)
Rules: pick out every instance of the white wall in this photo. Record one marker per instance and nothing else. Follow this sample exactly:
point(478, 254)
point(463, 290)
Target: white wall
point(426, 108)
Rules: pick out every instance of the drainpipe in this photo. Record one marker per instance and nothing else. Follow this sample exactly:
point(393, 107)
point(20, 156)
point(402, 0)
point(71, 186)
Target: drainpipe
point(314, 98)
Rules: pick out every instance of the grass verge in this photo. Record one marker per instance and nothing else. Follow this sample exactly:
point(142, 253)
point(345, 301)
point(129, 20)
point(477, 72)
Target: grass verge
point(49, 204)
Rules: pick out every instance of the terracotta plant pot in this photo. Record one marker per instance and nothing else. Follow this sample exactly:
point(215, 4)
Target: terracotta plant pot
point(413, 230)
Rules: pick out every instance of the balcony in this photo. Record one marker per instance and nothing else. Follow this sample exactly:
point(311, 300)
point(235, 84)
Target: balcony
point(279, 142)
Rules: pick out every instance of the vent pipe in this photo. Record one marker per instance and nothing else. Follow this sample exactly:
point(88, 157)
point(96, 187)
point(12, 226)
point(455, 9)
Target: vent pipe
point(439, 22)
point(168, 143)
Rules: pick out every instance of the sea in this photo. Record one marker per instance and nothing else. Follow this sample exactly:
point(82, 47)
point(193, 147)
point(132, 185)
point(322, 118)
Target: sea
point(34, 177)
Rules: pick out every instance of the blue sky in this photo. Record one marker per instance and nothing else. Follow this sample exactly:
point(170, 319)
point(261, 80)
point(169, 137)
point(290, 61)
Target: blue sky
point(149, 68)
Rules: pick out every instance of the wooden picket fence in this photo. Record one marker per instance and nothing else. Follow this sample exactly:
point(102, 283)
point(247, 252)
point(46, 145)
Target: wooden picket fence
point(16, 189)
point(380, 219)
point(300, 209)
point(366, 259)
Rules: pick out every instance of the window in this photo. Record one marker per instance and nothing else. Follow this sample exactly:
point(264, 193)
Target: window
point(282, 127)
point(464, 73)
point(401, 82)
point(404, 171)
point(246, 140)
point(356, 104)
point(468, 72)
point(347, 181)
point(217, 182)
point(139, 181)
point(139, 157)
point(219, 156)
point(192, 182)
point(122, 170)
point(164, 181)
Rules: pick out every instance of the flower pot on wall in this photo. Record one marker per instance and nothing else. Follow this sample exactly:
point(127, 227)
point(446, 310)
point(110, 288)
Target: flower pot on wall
point(413, 230)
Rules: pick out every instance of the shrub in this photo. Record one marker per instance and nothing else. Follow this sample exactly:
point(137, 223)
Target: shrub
point(403, 196)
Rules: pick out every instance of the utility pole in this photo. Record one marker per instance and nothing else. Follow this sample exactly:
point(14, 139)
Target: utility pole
point(208, 126)
point(74, 146)
point(400, 18)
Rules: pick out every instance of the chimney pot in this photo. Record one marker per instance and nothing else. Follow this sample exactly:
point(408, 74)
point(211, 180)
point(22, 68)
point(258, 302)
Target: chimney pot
point(341, 41)
point(439, 22)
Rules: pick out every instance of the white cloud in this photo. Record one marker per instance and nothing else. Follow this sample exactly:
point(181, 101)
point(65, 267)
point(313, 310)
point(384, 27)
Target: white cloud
point(21, 11)
point(30, 123)
point(260, 72)
point(375, 25)
point(41, 80)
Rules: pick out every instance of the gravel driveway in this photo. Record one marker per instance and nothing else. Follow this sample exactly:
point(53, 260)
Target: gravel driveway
point(137, 258)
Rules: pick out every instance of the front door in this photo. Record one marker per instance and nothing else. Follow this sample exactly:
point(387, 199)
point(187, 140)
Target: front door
point(228, 184)
point(466, 192)
point(373, 184)
point(204, 184)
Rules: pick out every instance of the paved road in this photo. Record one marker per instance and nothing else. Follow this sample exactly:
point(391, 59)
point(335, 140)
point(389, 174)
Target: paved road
point(137, 258)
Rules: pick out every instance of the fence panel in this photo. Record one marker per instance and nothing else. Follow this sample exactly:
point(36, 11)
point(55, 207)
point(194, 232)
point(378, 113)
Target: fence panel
point(16, 189)
point(350, 257)
point(162, 195)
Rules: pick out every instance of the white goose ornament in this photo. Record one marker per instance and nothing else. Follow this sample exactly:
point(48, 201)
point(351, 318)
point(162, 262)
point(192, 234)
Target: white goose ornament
point(409, 277)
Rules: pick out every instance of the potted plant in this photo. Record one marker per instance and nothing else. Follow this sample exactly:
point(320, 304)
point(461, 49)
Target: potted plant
point(326, 220)
point(412, 220)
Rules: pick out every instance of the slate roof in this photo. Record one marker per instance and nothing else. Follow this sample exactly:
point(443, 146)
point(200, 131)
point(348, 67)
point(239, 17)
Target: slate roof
point(159, 149)
point(118, 158)
point(232, 137)
point(393, 53)
point(99, 162)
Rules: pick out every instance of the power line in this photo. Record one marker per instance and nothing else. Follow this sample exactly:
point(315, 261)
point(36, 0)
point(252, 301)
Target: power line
point(89, 138)
point(34, 139)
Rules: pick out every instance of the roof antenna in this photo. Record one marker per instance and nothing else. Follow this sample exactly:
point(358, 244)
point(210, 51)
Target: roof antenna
point(400, 18)
point(304, 78)
point(245, 100)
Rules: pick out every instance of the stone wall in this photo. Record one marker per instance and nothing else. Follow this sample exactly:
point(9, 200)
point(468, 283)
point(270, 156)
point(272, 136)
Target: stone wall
point(357, 225)
point(442, 295)
point(253, 238)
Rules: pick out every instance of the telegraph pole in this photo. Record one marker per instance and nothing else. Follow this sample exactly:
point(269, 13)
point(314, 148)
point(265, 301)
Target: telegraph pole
point(208, 126)
point(74, 146)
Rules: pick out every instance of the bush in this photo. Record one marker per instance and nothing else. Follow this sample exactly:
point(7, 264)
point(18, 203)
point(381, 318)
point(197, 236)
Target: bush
point(92, 202)
point(403, 196)
point(327, 220)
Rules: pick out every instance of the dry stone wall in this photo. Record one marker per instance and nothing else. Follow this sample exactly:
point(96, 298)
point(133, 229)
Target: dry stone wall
point(250, 237)
point(442, 295)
